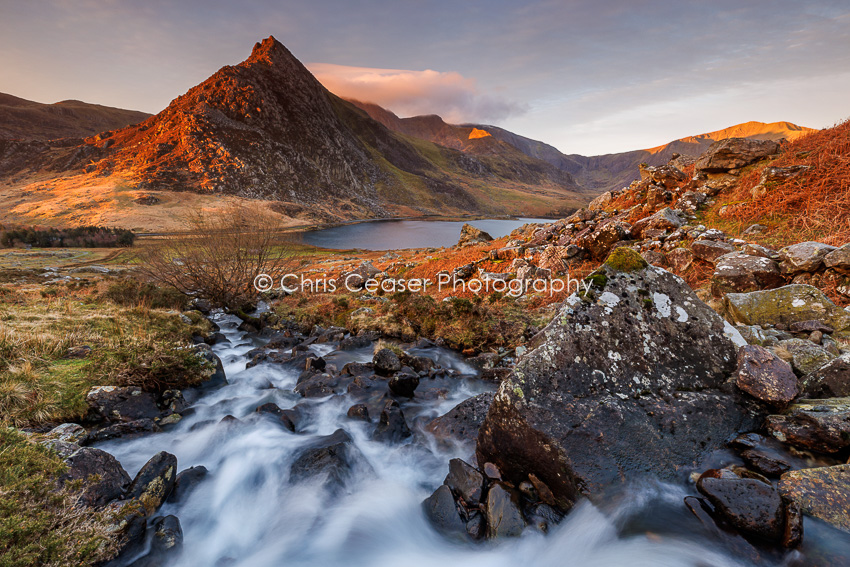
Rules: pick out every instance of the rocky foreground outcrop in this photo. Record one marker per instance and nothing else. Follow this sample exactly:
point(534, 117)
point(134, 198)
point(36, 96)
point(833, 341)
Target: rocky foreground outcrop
point(628, 380)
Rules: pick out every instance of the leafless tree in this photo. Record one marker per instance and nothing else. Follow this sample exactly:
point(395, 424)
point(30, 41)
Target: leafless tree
point(220, 255)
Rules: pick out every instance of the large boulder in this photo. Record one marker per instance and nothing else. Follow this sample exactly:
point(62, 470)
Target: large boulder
point(471, 235)
point(734, 153)
point(667, 176)
point(461, 423)
point(822, 493)
point(331, 458)
point(786, 305)
point(626, 381)
point(120, 404)
point(104, 479)
point(766, 377)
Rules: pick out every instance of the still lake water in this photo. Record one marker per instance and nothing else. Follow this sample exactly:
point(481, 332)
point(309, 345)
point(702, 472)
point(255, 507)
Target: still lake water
point(392, 235)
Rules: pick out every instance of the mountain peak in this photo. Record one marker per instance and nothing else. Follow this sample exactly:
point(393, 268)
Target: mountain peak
point(270, 51)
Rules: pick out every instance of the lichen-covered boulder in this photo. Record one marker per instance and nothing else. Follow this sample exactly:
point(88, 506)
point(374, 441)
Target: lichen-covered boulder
point(120, 404)
point(806, 356)
point(822, 493)
point(817, 425)
point(638, 362)
point(739, 272)
point(788, 304)
point(154, 482)
point(470, 235)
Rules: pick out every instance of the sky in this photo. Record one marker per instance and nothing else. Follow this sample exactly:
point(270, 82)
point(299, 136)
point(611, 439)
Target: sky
point(588, 77)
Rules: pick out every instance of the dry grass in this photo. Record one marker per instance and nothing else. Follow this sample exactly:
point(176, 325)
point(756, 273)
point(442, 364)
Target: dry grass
point(815, 205)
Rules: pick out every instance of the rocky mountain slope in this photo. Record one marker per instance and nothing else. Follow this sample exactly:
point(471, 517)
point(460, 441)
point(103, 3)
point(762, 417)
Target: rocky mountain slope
point(267, 129)
point(595, 173)
point(25, 119)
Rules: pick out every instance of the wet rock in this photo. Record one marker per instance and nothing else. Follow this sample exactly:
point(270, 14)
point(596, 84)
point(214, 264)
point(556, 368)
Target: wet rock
point(215, 376)
point(168, 536)
point(104, 479)
point(750, 506)
point(441, 510)
point(839, 260)
point(581, 400)
point(806, 357)
point(793, 534)
point(822, 493)
point(117, 404)
point(711, 250)
point(804, 257)
point(766, 377)
point(786, 305)
point(502, 513)
point(765, 462)
point(355, 342)
point(403, 384)
point(818, 425)
point(331, 458)
point(465, 481)
point(357, 369)
point(154, 482)
point(734, 153)
point(386, 362)
point(187, 481)
point(392, 427)
point(320, 385)
point(832, 380)
point(738, 272)
point(278, 414)
point(123, 429)
point(461, 423)
point(359, 412)
point(470, 235)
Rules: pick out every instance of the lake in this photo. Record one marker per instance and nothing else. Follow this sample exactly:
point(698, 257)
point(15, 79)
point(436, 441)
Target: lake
point(393, 235)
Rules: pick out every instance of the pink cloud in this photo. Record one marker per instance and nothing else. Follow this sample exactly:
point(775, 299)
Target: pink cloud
point(409, 93)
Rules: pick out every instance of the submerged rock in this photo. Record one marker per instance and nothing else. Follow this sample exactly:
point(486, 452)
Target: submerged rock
point(502, 512)
point(624, 382)
point(392, 427)
point(441, 510)
point(187, 481)
point(331, 458)
point(751, 506)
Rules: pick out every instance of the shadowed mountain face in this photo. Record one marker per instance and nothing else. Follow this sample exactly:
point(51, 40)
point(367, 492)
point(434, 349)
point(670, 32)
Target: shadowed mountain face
point(24, 119)
point(267, 129)
point(596, 174)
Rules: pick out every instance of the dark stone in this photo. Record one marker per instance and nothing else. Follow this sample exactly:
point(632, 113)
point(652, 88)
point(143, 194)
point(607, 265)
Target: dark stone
point(462, 422)
point(155, 481)
point(359, 412)
point(320, 385)
point(750, 506)
point(543, 517)
point(88, 462)
point(386, 362)
point(810, 326)
point(331, 457)
point(216, 375)
point(582, 400)
point(316, 364)
point(354, 343)
point(503, 515)
point(187, 480)
point(765, 462)
point(403, 384)
point(832, 380)
point(476, 527)
point(357, 369)
point(818, 425)
point(116, 404)
point(793, 534)
point(392, 428)
point(441, 510)
point(766, 377)
point(465, 481)
point(274, 411)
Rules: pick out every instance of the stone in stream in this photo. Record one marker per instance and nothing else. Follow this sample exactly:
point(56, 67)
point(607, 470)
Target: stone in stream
point(627, 381)
point(465, 481)
point(461, 423)
point(187, 480)
point(166, 543)
point(120, 404)
point(441, 510)
point(278, 414)
point(104, 479)
point(386, 362)
point(154, 482)
point(817, 425)
point(123, 429)
point(214, 374)
point(822, 493)
point(502, 512)
point(331, 458)
point(359, 412)
point(392, 427)
point(751, 506)
point(766, 377)
point(403, 384)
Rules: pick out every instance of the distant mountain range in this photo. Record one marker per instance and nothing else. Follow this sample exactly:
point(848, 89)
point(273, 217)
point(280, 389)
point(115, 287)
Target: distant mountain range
point(21, 118)
point(267, 129)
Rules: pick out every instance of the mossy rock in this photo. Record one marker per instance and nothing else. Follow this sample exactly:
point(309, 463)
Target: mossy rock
point(626, 260)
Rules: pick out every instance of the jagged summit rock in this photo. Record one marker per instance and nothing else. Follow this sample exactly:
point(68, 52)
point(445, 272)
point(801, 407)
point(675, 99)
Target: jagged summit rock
point(627, 380)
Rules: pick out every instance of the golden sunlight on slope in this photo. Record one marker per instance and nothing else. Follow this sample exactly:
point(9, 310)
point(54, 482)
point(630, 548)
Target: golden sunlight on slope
point(759, 130)
point(477, 133)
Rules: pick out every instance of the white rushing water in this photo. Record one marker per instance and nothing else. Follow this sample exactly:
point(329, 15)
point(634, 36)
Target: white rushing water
point(248, 514)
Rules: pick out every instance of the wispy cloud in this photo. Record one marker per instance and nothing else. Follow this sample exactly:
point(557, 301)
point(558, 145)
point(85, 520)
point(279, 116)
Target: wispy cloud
point(408, 93)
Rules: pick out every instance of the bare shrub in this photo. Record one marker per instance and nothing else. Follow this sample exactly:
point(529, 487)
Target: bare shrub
point(220, 255)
